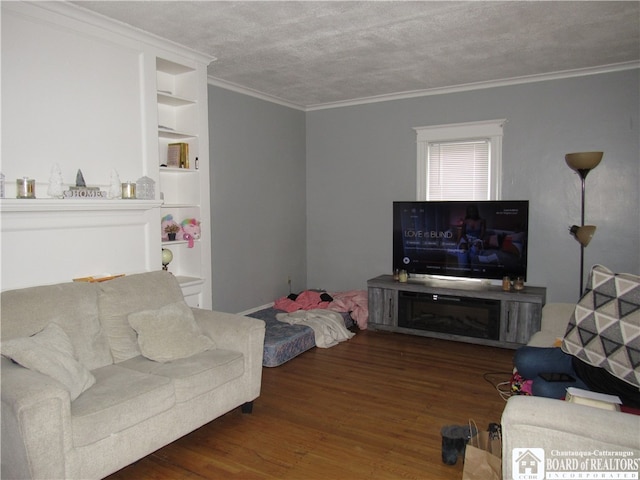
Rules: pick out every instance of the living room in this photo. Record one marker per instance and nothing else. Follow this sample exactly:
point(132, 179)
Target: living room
point(315, 188)
point(302, 197)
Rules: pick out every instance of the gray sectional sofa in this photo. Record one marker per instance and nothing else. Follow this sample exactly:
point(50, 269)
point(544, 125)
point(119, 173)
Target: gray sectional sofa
point(98, 375)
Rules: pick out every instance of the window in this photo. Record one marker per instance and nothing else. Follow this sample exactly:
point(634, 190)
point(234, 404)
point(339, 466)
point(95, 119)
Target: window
point(460, 161)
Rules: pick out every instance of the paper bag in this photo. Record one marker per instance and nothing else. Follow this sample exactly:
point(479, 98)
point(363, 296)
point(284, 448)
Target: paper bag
point(489, 443)
point(483, 458)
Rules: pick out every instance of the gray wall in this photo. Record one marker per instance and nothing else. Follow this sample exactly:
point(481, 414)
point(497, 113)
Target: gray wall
point(323, 215)
point(258, 210)
point(362, 158)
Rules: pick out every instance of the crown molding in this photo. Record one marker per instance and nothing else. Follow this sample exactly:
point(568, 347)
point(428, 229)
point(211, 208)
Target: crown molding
point(90, 20)
point(480, 85)
point(211, 80)
point(431, 91)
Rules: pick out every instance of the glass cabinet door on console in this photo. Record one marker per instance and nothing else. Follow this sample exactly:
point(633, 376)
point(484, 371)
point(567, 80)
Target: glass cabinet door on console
point(448, 314)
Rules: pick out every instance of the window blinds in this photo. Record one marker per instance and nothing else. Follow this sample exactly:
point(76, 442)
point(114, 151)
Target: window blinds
point(458, 170)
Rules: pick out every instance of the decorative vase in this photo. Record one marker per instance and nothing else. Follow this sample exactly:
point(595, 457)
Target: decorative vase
point(172, 236)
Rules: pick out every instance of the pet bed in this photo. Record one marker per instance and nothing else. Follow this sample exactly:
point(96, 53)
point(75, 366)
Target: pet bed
point(283, 341)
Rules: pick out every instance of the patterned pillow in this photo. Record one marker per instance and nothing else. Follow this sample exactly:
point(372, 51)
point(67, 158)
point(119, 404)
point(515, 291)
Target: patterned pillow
point(604, 330)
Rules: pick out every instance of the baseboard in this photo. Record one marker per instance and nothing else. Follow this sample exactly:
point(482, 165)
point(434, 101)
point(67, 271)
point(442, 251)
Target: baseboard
point(255, 309)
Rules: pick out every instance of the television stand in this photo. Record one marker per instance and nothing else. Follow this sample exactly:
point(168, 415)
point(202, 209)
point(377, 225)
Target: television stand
point(457, 283)
point(482, 313)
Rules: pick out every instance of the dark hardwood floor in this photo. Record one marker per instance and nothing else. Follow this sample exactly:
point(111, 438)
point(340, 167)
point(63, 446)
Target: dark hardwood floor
point(369, 408)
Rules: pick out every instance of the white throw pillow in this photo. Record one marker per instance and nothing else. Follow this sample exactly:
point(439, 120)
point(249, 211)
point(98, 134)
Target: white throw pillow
point(50, 352)
point(169, 333)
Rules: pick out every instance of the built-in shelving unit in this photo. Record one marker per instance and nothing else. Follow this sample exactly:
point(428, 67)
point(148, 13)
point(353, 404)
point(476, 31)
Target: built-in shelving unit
point(182, 190)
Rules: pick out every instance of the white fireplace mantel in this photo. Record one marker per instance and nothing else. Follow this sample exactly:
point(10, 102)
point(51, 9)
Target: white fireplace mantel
point(8, 205)
point(67, 239)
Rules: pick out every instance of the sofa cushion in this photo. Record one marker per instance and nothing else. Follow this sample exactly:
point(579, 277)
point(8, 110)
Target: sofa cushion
point(604, 330)
point(50, 352)
point(194, 375)
point(120, 398)
point(169, 333)
point(133, 293)
point(73, 306)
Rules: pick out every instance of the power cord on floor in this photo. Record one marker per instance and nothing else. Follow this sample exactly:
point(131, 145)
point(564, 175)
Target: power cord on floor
point(503, 388)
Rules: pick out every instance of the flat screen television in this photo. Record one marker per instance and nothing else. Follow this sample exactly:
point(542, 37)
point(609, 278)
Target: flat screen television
point(461, 239)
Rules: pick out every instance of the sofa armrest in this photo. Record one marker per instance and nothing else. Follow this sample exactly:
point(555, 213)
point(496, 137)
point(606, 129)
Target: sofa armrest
point(556, 426)
point(36, 424)
point(239, 333)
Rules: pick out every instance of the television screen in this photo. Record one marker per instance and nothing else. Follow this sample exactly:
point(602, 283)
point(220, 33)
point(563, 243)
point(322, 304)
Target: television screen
point(484, 239)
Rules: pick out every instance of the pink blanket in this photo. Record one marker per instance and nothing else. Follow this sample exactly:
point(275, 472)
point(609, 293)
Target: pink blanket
point(307, 300)
point(354, 302)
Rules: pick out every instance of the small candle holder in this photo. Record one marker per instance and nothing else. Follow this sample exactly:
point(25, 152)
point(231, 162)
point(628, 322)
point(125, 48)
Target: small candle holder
point(145, 188)
point(129, 190)
point(25, 188)
point(519, 283)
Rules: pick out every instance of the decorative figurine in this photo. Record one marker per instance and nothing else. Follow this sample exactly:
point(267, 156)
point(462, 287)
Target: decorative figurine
point(145, 188)
point(56, 187)
point(80, 189)
point(114, 185)
point(80, 179)
point(190, 231)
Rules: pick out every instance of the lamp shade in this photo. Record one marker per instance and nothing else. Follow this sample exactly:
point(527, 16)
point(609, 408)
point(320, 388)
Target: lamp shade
point(583, 234)
point(583, 160)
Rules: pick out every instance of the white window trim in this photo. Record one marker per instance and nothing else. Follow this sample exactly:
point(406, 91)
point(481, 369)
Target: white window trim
point(492, 129)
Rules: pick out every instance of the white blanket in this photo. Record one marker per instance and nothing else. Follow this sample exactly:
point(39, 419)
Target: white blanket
point(327, 326)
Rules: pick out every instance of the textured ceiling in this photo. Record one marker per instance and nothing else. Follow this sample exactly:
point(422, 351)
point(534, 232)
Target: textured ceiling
point(309, 53)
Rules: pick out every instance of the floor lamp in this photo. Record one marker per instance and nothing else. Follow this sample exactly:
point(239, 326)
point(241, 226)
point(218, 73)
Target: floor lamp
point(583, 163)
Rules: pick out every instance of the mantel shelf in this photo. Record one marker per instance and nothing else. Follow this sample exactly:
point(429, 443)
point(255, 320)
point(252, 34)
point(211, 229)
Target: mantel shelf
point(55, 205)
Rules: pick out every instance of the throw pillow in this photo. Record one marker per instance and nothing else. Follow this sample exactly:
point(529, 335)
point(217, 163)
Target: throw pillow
point(50, 352)
point(604, 329)
point(133, 293)
point(169, 333)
